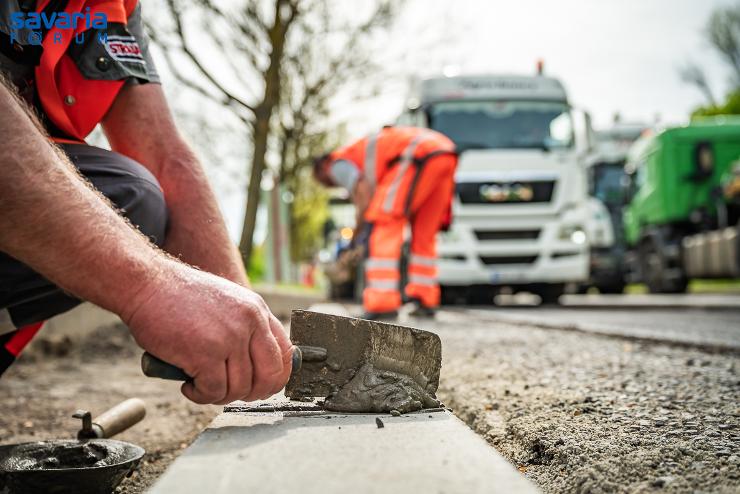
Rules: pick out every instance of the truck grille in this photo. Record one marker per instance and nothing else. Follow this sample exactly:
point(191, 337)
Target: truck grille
point(525, 192)
point(498, 260)
point(507, 234)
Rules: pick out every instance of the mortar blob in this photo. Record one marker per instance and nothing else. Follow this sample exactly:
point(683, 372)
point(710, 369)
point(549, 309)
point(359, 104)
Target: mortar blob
point(380, 391)
point(60, 455)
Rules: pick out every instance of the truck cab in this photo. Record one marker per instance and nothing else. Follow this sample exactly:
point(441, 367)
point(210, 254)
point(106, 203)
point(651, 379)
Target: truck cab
point(683, 216)
point(521, 201)
point(606, 186)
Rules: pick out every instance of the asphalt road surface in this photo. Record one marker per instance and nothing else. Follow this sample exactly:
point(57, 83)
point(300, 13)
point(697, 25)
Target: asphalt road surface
point(716, 327)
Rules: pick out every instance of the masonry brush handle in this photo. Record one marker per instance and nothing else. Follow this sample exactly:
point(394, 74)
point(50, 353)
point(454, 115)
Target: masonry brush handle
point(156, 367)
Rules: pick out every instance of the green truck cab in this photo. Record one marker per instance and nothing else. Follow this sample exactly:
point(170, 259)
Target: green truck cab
point(681, 219)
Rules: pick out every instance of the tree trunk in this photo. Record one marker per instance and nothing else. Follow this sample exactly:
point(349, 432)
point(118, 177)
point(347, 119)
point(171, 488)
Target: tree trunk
point(261, 128)
point(260, 134)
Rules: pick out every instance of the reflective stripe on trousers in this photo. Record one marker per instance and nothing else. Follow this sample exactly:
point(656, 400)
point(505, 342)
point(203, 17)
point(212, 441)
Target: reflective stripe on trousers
point(420, 279)
point(430, 262)
point(372, 263)
point(383, 284)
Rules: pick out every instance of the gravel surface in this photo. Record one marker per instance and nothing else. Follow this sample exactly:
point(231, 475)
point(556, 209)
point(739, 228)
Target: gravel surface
point(59, 374)
point(582, 413)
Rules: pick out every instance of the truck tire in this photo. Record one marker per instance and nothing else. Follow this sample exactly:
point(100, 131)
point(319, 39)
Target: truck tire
point(657, 271)
point(737, 251)
point(550, 294)
point(479, 295)
point(611, 288)
point(452, 295)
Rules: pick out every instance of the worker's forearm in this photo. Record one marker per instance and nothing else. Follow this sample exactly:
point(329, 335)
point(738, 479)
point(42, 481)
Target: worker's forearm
point(359, 221)
point(361, 196)
point(197, 233)
point(140, 126)
point(54, 222)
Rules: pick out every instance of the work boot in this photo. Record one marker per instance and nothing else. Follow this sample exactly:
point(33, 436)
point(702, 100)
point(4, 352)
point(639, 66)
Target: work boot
point(420, 310)
point(380, 316)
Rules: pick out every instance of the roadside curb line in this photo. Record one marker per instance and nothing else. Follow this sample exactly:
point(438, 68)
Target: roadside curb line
point(653, 301)
point(280, 446)
point(594, 331)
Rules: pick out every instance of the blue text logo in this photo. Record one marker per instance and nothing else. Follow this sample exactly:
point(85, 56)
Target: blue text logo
point(34, 22)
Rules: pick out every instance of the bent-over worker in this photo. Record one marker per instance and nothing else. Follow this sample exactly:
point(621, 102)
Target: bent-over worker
point(398, 177)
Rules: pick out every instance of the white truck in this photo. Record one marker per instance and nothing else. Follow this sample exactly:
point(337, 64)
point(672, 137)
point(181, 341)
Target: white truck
point(520, 207)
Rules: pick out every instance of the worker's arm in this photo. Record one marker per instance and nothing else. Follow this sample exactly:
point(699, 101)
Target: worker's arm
point(140, 126)
point(361, 196)
point(219, 332)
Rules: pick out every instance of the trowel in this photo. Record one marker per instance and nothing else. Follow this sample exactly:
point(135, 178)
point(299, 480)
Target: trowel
point(356, 364)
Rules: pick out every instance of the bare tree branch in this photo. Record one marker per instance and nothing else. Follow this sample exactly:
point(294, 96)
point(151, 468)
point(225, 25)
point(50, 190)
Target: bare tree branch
point(180, 31)
point(723, 32)
point(692, 74)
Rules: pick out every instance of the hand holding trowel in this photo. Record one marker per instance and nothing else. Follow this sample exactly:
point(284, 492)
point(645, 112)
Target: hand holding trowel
point(357, 365)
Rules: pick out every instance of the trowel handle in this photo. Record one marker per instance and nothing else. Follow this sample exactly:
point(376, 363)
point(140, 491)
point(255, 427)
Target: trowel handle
point(155, 367)
point(120, 417)
point(113, 421)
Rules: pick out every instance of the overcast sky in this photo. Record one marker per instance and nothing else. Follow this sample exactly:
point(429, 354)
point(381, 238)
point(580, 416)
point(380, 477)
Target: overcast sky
point(612, 55)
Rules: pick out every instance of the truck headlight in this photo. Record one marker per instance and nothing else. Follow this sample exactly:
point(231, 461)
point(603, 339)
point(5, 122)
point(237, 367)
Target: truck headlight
point(574, 233)
point(578, 237)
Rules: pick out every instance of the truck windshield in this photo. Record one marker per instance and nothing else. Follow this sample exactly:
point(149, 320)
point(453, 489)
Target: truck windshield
point(503, 124)
point(608, 183)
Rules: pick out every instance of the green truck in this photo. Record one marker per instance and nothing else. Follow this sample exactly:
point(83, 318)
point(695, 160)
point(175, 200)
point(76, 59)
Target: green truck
point(683, 205)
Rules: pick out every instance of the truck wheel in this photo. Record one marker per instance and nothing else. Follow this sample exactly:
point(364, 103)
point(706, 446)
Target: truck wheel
point(479, 295)
point(655, 268)
point(737, 251)
point(612, 288)
point(451, 295)
point(550, 294)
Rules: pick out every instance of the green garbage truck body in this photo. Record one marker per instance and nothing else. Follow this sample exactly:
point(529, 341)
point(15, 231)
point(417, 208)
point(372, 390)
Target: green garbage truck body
point(681, 221)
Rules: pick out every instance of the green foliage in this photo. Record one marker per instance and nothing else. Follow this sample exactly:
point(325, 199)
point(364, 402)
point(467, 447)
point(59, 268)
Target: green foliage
point(309, 212)
point(257, 264)
point(723, 34)
point(730, 107)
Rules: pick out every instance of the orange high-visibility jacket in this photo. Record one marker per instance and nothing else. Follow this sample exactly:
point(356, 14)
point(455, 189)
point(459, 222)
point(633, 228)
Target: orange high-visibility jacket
point(72, 102)
point(387, 146)
point(380, 158)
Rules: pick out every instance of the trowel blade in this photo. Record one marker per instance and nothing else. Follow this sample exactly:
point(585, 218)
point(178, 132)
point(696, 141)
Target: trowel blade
point(351, 343)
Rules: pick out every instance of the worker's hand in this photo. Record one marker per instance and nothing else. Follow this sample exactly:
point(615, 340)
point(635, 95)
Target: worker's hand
point(221, 334)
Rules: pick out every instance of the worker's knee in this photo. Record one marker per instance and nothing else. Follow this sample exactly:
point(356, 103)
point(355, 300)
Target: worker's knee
point(132, 189)
point(141, 200)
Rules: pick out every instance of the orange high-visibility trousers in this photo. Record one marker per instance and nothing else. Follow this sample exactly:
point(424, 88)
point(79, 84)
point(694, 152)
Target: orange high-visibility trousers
point(12, 344)
point(430, 196)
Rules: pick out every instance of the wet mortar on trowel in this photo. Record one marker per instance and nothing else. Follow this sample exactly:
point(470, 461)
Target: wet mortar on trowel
point(371, 367)
point(379, 391)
